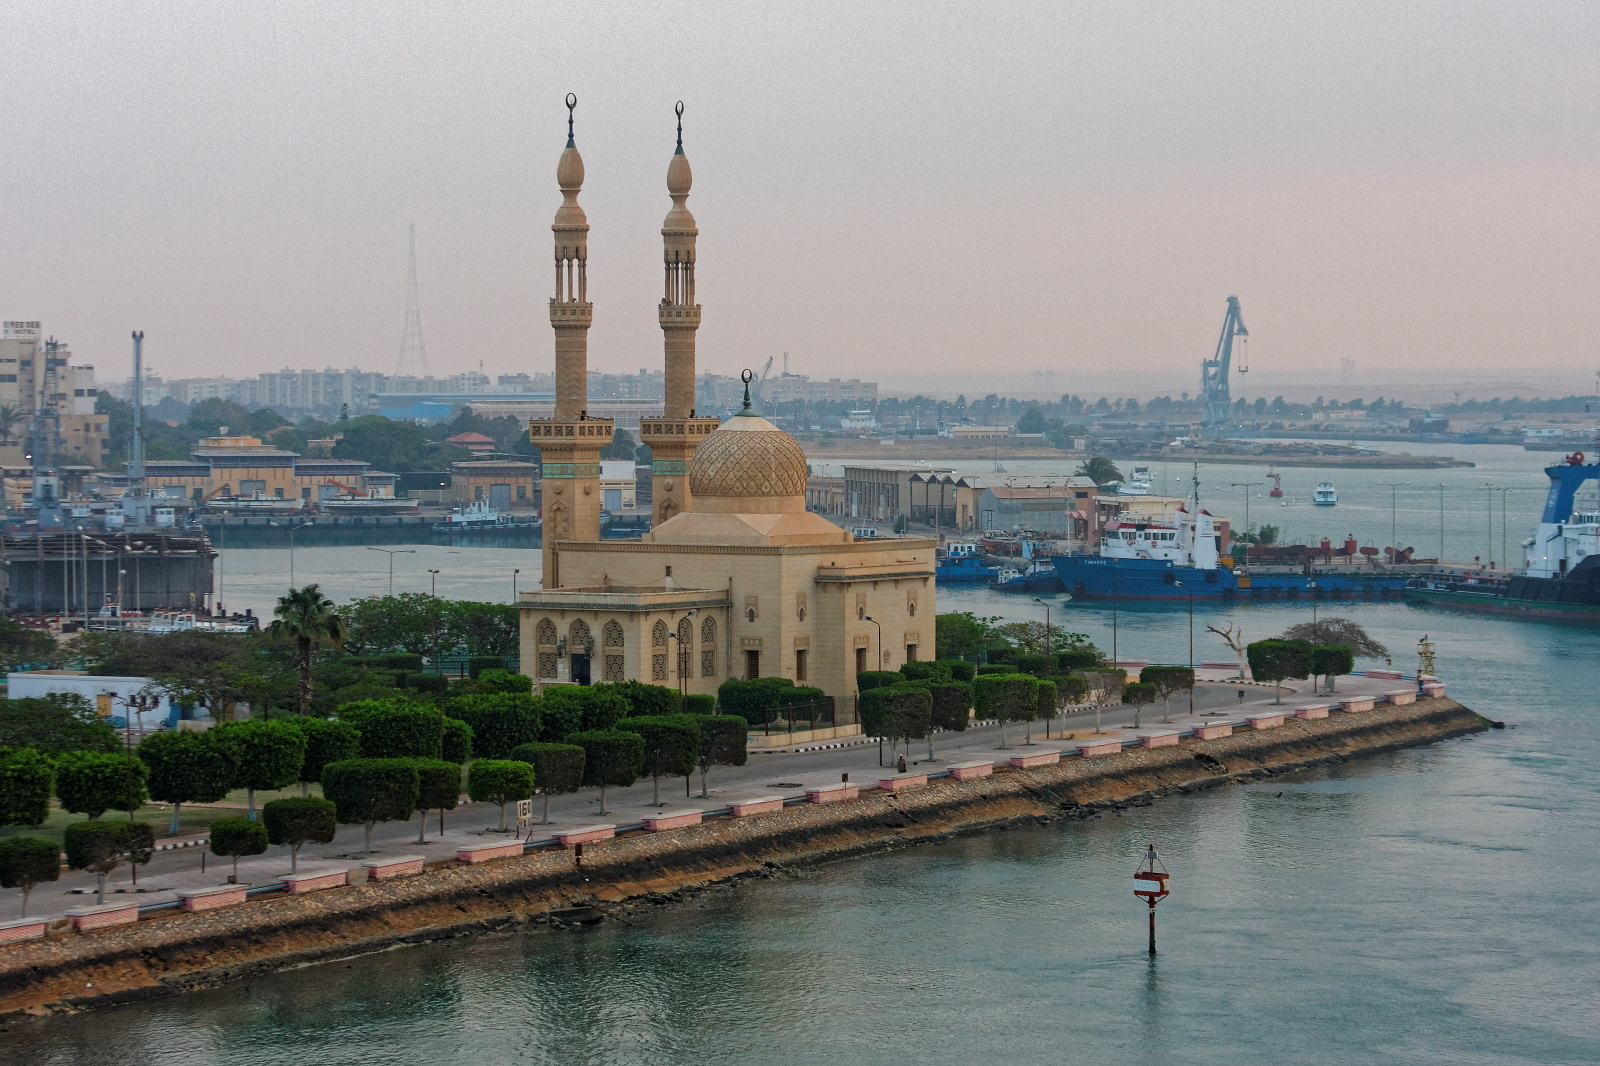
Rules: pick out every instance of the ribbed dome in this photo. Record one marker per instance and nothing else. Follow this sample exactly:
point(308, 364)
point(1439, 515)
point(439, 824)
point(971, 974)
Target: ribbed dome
point(748, 465)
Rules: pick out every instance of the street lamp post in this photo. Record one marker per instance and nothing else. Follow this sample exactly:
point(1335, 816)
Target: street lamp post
point(514, 574)
point(1190, 590)
point(1247, 486)
point(1049, 649)
point(433, 583)
point(391, 553)
point(293, 529)
point(874, 621)
point(1312, 585)
point(1394, 488)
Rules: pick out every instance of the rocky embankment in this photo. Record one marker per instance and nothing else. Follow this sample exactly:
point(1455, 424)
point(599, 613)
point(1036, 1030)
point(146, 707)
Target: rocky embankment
point(181, 951)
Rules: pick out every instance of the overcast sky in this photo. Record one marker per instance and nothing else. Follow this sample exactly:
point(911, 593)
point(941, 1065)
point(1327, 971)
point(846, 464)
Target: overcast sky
point(896, 191)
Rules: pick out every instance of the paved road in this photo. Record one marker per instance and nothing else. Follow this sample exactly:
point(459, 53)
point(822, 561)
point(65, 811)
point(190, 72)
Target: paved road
point(787, 773)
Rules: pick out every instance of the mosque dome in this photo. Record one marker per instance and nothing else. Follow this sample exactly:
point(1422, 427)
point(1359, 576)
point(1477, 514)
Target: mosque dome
point(748, 466)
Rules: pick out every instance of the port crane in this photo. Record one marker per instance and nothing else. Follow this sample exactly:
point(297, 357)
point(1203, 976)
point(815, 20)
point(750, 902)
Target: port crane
point(1218, 411)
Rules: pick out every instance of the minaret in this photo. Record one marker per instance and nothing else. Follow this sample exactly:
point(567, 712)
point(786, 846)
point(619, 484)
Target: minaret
point(674, 437)
point(570, 443)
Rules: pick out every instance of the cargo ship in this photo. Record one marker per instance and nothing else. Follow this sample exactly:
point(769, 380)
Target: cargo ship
point(1561, 578)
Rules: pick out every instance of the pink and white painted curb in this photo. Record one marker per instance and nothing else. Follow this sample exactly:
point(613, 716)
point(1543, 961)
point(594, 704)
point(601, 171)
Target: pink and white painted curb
point(1265, 721)
point(586, 834)
point(1214, 730)
point(901, 782)
point(832, 793)
point(661, 821)
point(1036, 758)
point(497, 849)
point(22, 929)
point(1315, 710)
point(209, 899)
point(1099, 748)
point(962, 771)
point(755, 805)
point(105, 914)
point(313, 880)
point(393, 867)
point(1164, 739)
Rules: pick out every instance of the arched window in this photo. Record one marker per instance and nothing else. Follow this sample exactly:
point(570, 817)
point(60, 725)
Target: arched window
point(615, 665)
point(708, 648)
point(578, 639)
point(544, 639)
point(685, 649)
point(658, 651)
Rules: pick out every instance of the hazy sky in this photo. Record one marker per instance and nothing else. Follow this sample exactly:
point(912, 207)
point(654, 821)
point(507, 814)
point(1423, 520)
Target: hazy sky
point(896, 191)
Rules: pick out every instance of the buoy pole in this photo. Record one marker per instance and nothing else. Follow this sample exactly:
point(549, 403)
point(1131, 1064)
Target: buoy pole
point(1152, 930)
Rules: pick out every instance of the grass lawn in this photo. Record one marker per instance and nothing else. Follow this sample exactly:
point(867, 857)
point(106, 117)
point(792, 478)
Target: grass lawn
point(196, 819)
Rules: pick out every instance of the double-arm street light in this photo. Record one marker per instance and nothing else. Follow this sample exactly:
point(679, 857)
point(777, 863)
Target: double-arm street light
point(293, 529)
point(391, 553)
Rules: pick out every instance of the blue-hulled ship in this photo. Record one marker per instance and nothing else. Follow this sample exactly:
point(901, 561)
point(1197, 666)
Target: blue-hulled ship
point(1148, 558)
point(962, 564)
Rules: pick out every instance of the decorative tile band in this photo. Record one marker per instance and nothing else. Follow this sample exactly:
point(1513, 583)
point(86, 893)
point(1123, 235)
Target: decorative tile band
point(670, 467)
point(570, 470)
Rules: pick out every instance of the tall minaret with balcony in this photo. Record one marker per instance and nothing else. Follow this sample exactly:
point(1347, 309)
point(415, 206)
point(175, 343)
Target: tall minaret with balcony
point(570, 443)
point(674, 437)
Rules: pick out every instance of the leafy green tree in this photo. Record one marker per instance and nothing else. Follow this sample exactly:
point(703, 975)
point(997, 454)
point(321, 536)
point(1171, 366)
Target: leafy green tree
point(895, 713)
point(499, 720)
point(1049, 702)
point(600, 708)
point(27, 778)
point(1072, 689)
point(411, 622)
point(1339, 631)
point(54, 725)
point(671, 746)
point(396, 728)
point(265, 755)
point(23, 648)
point(1169, 681)
point(309, 619)
point(101, 847)
point(1099, 469)
point(724, 740)
point(455, 741)
point(1138, 695)
point(1007, 698)
point(952, 705)
point(92, 782)
point(1037, 638)
point(233, 837)
point(962, 633)
point(26, 862)
point(611, 758)
point(871, 679)
point(327, 740)
point(505, 681)
point(369, 791)
point(644, 700)
point(1331, 661)
point(187, 768)
point(1274, 661)
point(386, 444)
point(557, 769)
point(499, 781)
point(438, 789)
point(926, 670)
point(297, 821)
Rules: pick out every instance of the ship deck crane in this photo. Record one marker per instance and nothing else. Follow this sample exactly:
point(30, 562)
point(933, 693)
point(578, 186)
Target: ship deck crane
point(1218, 411)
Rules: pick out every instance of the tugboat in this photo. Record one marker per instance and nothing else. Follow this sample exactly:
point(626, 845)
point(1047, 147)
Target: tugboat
point(1561, 580)
point(962, 564)
point(1151, 559)
point(1138, 483)
point(1325, 496)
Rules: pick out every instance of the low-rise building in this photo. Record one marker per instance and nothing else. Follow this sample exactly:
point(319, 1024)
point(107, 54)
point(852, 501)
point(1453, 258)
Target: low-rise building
point(243, 466)
point(505, 484)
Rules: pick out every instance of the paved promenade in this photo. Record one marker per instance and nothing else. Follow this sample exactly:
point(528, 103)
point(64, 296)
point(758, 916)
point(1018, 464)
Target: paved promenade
point(788, 774)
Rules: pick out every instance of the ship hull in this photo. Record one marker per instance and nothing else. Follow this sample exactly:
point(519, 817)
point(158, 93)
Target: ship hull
point(1546, 599)
point(1098, 578)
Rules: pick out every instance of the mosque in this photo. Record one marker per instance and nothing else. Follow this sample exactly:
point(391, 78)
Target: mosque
point(736, 579)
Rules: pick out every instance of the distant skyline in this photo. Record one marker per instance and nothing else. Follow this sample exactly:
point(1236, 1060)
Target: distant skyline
point(900, 192)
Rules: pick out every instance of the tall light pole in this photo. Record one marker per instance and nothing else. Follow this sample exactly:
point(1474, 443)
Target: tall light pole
point(391, 553)
point(1489, 551)
point(514, 574)
point(1113, 617)
point(293, 529)
point(433, 583)
point(1049, 649)
point(1394, 488)
point(1247, 486)
point(874, 621)
point(1190, 590)
point(1441, 522)
point(1505, 554)
point(1312, 585)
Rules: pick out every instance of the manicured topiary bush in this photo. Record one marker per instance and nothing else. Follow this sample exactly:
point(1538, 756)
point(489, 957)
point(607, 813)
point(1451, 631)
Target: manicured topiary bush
point(671, 746)
point(871, 679)
point(499, 720)
point(265, 755)
point(1048, 702)
point(1078, 659)
point(926, 670)
point(960, 669)
point(27, 778)
point(1007, 698)
point(101, 846)
point(233, 837)
point(1331, 661)
point(369, 791)
point(952, 704)
point(644, 699)
point(395, 728)
point(499, 781)
point(438, 789)
point(504, 681)
point(455, 741)
point(896, 713)
point(327, 740)
point(297, 821)
point(477, 664)
point(597, 707)
point(26, 862)
point(187, 767)
point(703, 703)
point(1039, 665)
point(92, 782)
point(557, 769)
point(611, 758)
point(723, 742)
point(1279, 660)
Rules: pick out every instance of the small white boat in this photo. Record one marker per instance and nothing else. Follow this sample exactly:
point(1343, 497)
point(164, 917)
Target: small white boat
point(476, 513)
point(1324, 496)
point(1138, 483)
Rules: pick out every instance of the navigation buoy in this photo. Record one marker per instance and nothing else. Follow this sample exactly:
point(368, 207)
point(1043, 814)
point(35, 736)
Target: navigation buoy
point(1150, 885)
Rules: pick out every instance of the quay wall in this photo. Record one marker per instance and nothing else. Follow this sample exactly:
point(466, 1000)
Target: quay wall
point(179, 951)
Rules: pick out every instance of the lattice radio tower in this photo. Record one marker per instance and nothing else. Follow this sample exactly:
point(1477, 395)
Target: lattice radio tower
point(413, 361)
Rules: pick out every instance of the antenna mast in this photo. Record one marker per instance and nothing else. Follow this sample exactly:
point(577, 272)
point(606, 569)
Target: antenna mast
point(413, 361)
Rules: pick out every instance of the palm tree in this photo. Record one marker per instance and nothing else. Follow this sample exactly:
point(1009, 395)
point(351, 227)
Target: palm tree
point(10, 418)
point(308, 618)
point(1100, 470)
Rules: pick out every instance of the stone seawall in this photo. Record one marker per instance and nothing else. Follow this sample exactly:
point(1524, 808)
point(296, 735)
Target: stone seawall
point(179, 951)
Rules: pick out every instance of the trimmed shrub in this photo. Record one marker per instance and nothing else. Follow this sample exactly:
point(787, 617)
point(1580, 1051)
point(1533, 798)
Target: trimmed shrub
point(960, 669)
point(369, 791)
point(755, 701)
point(1006, 697)
point(952, 705)
point(455, 741)
point(297, 821)
point(499, 721)
point(1331, 661)
point(503, 680)
point(395, 728)
point(327, 740)
point(644, 700)
point(671, 746)
point(26, 862)
point(1039, 665)
point(699, 704)
point(1049, 700)
point(265, 755)
point(1078, 659)
point(101, 847)
point(1106, 684)
point(187, 767)
point(1138, 695)
point(1072, 688)
point(1169, 681)
point(871, 679)
point(477, 664)
point(27, 778)
point(992, 668)
point(926, 670)
point(1279, 660)
point(599, 708)
point(724, 740)
point(499, 781)
point(557, 769)
point(897, 712)
point(438, 789)
point(233, 837)
point(558, 718)
point(610, 758)
point(432, 684)
point(400, 661)
point(91, 782)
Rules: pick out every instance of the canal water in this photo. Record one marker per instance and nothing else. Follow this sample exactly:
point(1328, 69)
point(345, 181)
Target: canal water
point(1437, 905)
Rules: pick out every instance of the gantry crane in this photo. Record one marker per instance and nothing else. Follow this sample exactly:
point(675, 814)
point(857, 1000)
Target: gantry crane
point(1218, 402)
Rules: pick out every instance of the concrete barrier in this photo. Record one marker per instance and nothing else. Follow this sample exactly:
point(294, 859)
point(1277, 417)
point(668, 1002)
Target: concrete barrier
point(1265, 721)
point(661, 821)
point(1214, 730)
point(1098, 748)
point(756, 805)
point(1433, 689)
point(387, 869)
point(833, 793)
point(209, 899)
point(314, 880)
point(1036, 758)
point(901, 782)
point(22, 929)
point(1384, 675)
point(84, 918)
point(963, 771)
point(1166, 738)
point(585, 834)
point(1315, 710)
point(494, 849)
point(1357, 703)
point(1402, 696)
